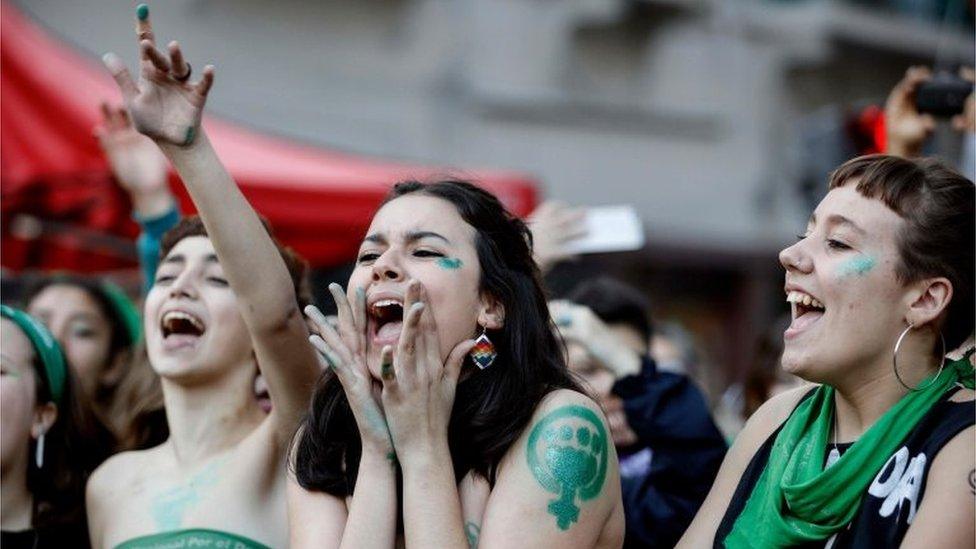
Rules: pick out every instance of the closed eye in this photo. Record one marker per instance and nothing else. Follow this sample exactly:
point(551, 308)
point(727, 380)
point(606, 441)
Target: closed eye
point(164, 279)
point(427, 253)
point(217, 280)
point(837, 244)
point(369, 256)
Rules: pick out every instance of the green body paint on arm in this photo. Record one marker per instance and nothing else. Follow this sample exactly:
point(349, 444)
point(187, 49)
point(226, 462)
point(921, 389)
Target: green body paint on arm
point(567, 465)
point(191, 132)
point(859, 266)
point(451, 263)
point(472, 531)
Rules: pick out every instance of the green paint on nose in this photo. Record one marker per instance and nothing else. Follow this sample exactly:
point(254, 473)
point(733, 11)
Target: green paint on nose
point(859, 266)
point(451, 263)
point(142, 12)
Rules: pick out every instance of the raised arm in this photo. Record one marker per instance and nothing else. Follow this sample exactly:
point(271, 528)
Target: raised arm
point(165, 106)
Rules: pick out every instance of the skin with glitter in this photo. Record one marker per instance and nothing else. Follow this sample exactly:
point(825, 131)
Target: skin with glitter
point(859, 266)
point(450, 263)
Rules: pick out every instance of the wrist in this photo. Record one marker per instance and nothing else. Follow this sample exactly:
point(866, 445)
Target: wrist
point(153, 203)
point(196, 141)
point(425, 457)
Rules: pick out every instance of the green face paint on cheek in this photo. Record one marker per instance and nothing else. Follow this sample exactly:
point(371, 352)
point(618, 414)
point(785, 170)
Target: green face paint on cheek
point(858, 266)
point(450, 263)
point(567, 465)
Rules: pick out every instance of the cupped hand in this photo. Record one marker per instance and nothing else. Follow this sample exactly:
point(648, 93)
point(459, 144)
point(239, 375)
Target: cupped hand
point(419, 387)
point(164, 104)
point(907, 129)
point(343, 350)
point(966, 121)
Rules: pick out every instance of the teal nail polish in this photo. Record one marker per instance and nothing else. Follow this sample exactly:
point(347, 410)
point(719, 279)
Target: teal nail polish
point(142, 12)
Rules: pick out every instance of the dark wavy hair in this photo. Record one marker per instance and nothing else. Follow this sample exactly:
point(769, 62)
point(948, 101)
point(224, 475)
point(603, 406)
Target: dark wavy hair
point(491, 407)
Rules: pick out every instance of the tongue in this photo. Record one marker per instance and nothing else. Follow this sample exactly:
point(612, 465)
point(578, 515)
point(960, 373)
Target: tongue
point(803, 321)
point(389, 332)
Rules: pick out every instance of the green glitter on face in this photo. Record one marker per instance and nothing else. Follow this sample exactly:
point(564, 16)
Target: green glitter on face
point(142, 12)
point(451, 263)
point(859, 266)
point(566, 465)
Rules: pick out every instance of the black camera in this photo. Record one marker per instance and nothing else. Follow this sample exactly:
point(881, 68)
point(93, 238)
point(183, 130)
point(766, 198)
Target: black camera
point(944, 95)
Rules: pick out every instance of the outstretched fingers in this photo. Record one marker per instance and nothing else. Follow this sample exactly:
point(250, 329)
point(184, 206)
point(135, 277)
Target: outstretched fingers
point(148, 52)
point(324, 330)
point(178, 65)
point(408, 347)
point(206, 82)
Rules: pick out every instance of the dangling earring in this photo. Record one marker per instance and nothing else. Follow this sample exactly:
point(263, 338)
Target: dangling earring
point(894, 361)
point(483, 353)
point(39, 452)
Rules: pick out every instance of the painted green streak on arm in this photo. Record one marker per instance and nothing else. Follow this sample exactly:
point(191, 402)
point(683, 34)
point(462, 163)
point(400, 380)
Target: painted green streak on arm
point(191, 132)
point(859, 266)
point(169, 506)
point(472, 531)
point(569, 466)
point(450, 263)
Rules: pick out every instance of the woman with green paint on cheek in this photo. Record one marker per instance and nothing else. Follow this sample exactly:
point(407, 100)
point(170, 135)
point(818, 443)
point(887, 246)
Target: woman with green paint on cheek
point(42, 485)
point(225, 303)
point(880, 453)
point(447, 379)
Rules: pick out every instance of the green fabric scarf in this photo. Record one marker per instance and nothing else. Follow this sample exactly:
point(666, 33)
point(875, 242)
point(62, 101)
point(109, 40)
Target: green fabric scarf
point(795, 500)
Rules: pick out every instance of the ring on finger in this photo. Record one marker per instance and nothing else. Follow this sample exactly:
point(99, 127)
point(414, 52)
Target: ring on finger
point(185, 77)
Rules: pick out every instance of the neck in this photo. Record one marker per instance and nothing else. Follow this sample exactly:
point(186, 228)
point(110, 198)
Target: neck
point(862, 400)
point(208, 418)
point(16, 501)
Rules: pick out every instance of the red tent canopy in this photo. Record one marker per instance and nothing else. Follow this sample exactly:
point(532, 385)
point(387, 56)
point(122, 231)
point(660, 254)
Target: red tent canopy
point(52, 170)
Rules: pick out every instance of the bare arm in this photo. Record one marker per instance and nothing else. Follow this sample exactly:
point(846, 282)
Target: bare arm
point(166, 107)
point(945, 517)
point(763, 423)
point(559, 485)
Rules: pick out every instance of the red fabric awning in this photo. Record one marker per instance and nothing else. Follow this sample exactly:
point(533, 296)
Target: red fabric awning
point(51, 169)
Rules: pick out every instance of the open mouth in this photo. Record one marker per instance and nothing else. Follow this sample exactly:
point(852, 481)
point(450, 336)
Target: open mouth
point(806, 311)
point(181, 325)
point(385, 320)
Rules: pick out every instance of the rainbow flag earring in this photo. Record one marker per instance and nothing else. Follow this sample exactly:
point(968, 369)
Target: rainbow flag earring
point(483, 353)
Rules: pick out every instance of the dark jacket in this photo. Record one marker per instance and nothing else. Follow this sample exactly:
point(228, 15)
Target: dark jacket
point(666, 475)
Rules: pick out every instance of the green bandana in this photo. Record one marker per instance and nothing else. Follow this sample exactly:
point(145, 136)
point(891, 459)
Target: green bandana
point(46, 347)
point(795, 500)
point(126, 311)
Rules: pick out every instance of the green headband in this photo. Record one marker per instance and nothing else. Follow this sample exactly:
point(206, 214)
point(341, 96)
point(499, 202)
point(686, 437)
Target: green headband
point(45, 345)
point(126, 311)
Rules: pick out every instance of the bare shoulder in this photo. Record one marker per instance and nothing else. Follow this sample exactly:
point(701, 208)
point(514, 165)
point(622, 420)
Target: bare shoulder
point(558, 483)
point(963, 395)
point(773, 413)
point(120, 469)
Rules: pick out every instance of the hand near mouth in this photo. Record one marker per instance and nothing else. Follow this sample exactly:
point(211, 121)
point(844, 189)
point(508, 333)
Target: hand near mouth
point(418, 394)
point(344, 352)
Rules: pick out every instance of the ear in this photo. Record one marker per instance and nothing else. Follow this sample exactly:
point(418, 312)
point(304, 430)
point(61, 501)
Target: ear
point(929, 298)
point(492, 314)
point(44, 417)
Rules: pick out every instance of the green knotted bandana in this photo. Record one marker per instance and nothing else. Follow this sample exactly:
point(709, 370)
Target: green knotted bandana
point(796, 500)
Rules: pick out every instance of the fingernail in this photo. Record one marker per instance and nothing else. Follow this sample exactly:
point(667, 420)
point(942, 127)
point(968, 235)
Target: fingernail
point(333, 287)
point(142, 12)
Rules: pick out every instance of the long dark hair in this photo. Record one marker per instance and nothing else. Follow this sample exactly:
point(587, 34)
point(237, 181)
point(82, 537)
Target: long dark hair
point(491, 407)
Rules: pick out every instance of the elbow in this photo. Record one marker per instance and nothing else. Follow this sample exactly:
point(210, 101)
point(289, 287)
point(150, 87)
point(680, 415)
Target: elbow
point(277, 318)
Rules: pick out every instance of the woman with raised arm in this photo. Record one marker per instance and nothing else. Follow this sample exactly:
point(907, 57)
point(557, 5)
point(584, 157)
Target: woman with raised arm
point(881, 453)
point(225, 301)
point(449, 384)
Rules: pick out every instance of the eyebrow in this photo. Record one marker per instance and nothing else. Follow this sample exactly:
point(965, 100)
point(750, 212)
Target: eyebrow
point(837, 219)
point(180, 258)
point(412, 236)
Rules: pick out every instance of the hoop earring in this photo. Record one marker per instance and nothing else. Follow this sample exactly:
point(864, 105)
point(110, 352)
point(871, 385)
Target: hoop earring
point(39, 452)
point(894, 361)
point(483, 354)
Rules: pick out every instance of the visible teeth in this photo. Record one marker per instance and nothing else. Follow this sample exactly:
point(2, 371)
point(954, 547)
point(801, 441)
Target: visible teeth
point(386, 303)
point(180, 315)
point(806, 300)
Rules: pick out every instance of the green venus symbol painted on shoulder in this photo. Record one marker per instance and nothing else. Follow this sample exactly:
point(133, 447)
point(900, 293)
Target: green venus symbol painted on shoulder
point(567, 453)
